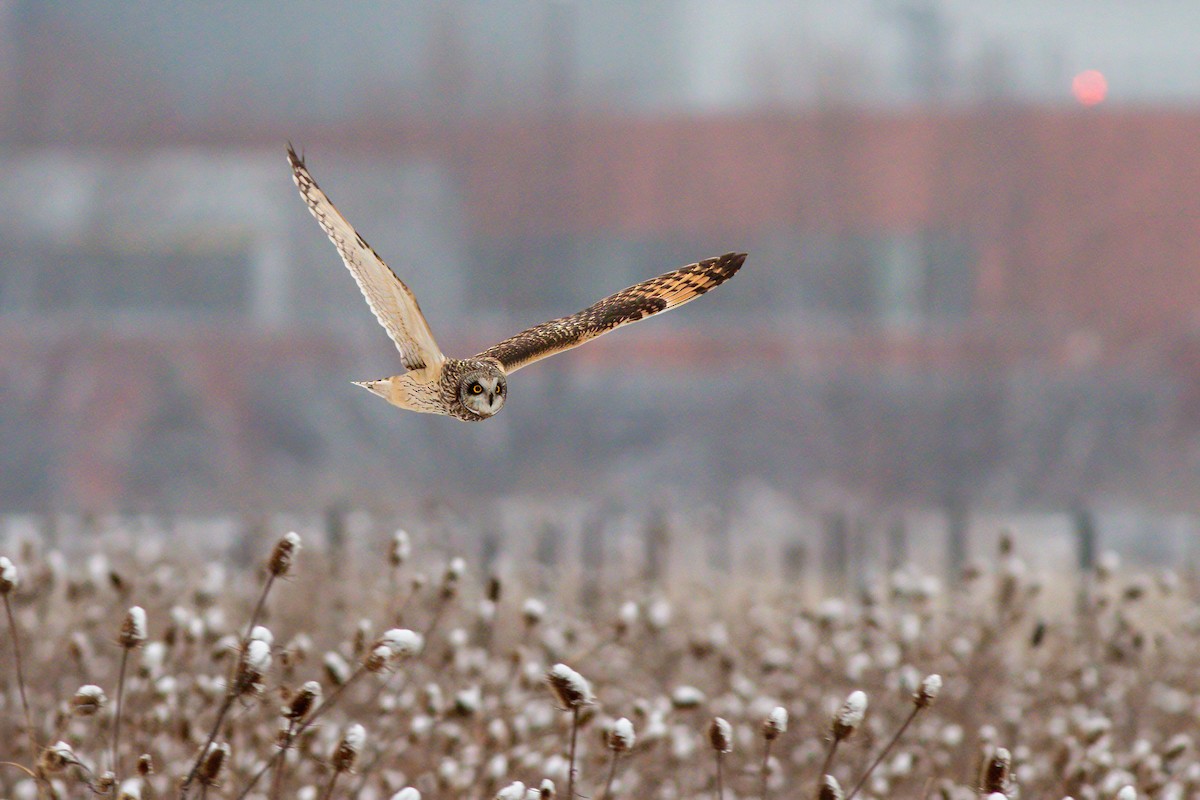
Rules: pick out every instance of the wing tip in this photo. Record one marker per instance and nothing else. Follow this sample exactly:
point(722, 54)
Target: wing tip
point(731, 262)
point(722, 268)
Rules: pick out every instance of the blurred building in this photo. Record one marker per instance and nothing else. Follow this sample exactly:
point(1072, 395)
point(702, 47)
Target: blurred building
point(898, 259)
point(963, 286)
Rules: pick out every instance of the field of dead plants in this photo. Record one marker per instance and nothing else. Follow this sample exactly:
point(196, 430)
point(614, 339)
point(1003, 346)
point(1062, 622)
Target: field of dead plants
point(409, 675)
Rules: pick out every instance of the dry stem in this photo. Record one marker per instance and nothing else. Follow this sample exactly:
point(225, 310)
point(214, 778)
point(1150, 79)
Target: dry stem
point(12, 624)
point(574, 735)
point(883, 753)
point(117, 721)
point(232, 693)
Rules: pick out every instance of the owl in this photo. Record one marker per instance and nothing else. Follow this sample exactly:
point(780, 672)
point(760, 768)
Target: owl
point(474, 389)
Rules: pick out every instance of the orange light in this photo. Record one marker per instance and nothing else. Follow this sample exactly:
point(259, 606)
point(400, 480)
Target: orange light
point(1089, 87)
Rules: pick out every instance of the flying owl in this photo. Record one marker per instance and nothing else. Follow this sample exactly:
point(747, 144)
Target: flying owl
point(473, 389)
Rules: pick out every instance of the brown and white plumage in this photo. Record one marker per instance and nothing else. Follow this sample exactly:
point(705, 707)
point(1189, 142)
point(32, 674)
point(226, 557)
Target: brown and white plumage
point(475, 388)
point(394, 304)
point(654, 296)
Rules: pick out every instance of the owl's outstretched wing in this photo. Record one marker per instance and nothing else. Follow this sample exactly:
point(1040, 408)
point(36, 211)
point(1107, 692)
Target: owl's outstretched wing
point(629, 305)
point(393, 303)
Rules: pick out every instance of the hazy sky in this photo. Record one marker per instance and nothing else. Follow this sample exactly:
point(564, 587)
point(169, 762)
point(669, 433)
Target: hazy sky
point(311, 59)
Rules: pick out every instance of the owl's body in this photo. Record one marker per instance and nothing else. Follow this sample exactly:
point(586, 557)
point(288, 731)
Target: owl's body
point(474, 389)
point(449, 390)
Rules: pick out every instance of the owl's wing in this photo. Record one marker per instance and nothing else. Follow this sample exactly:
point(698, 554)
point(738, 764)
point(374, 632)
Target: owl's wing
point(629, 305)
point(393, 303)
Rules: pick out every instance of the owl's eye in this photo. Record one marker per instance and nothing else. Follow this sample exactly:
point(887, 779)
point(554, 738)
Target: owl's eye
point(476, 388)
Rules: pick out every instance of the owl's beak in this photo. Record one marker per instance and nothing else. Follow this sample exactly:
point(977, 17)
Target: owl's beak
point(491, 399)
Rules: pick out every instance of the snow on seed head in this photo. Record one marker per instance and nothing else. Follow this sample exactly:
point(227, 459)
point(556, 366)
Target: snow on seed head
point(345, 755)
point(621, 737)
point(88, 700)
point(930, 687)
point(8, 575)
point(401, 550)
point(850, 715)
point(569, 687)
point(720, 735)
point(284, 554)
point(133, 628)
point(775, 723)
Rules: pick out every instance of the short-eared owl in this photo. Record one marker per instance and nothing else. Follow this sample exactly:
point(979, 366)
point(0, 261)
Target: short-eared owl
point(475, 388)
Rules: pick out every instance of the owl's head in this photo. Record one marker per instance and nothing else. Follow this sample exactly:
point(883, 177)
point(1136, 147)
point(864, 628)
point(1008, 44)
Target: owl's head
point(483, 388)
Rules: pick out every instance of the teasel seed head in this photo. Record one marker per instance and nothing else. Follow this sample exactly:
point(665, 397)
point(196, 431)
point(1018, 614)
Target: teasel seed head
point(683, 697)
point(627, 617)
point(284, 554)
point(407, 793)
point(262, 634)
point(468, 701)
point(720, 735)
point(105, 783)
point(145, 765)
point(1127, 792)
point(303, 702)
point(377, 660)
point(402, 642)
point(533, 611)
point(569, 687)
point(88, 700)
point(849, 716)
point(153, 656)
point(830, 789)
point(8, 575)
point(400, 551)
point(452, 578)
point(345, 755)
point(336, 668)
point(1176, 746)
point(57, 757)
point(213, 762)
point(930, 687)
point(995, 773)
point(775, 724)
point(1107, 563)
point(256, 660)
point(494, 589)
point(547, 791)
point(133, 628)
point(514, 791)
point(621, 737)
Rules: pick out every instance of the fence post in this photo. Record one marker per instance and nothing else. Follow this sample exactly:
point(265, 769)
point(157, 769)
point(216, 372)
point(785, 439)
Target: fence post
point(335, 535)
point(958, 543)
point(546, 555)
point(591, 553)
point(837, 552)
point(1085, 552)
point(1085, 539)
point(897, 545)
point(795, 560)
point(720, 550)
point(489, 550)
point(656, 537)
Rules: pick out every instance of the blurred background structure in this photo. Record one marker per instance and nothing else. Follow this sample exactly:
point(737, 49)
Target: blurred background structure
point(973, 227)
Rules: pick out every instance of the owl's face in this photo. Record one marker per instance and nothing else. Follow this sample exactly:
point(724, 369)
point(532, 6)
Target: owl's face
point(483, 390)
